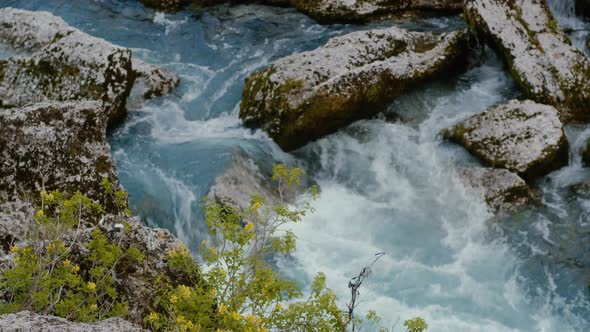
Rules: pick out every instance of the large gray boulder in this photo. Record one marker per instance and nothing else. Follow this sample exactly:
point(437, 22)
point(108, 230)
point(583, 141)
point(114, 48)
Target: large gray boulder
point(55, 145)
point(305, 96)
point(244, 178)
point(502, 190)
point(26, 321)
point(66, 64)
point(522, 136)
point(364, 10)
point(540, 56)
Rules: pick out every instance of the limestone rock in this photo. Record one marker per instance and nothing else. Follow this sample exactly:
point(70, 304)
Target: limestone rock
point(31, 322)
point(503, 190)
point(522, 136)
point(305, 96)
point(154, 81)
point(61, 145)
point(363, 10)
point(540, 56)
point(68, 64)
point(244, 178)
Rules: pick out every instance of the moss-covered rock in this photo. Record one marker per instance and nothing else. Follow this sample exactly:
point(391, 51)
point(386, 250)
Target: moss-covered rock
point(55, 145)
point(67, 64)
point(502, 190)
point(305, 96)
point(540, 56)
point(329, 11)
point(522, 136)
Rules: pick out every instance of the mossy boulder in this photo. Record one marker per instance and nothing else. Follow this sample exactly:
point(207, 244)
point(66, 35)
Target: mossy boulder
point(502, 190)
point(66, 64)
point(522, 136)
point(55, 145)
point(330, 11)
point(305, 96)
point(540, 56)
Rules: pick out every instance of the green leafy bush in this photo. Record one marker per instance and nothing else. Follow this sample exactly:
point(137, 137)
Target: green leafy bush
point(50, 276)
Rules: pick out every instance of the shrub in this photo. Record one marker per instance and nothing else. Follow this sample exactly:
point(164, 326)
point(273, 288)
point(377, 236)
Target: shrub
point(49, 275)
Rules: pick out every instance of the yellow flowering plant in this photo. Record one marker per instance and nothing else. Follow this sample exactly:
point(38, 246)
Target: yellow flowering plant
point(45, 275)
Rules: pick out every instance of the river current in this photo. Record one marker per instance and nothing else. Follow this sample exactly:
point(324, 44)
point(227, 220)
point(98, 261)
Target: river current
point(387, 184)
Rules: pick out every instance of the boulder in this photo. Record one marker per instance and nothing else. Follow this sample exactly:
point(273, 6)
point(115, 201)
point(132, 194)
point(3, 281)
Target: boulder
point(540, 56)
point(328, 11)
point(244, 178)
point(67, 64)
point(308, 95)
point(55, 145)
point(153, 81)
point(31, 322)
point(522, 136)
point(503, 190)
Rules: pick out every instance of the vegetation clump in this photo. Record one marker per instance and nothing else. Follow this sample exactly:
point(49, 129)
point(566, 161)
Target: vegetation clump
point(74, 271)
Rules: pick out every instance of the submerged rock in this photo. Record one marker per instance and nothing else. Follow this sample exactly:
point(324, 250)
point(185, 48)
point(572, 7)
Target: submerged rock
point(31, 322)
point(503, 190)
point(67, 64)
point(305, 96)
point(243, 178)
point(540, 56)
point(522, 136)
point(55, 145)
point(363, 10)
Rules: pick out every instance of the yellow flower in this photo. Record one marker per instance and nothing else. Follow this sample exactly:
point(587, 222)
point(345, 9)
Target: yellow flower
point(256, 206)
point(222, 309)
point(185, 291)
point(93, 307)
point(40, 214)
point(14, 249)
point(279, 306)
point(249, 226)
point(91, 285)
point(75, 269)
point(173, 299)
point(67, 263)
point(213, 293)
point(213, 251)
point(180, 319)
point(16, 259)
point(236, 315)
point(152, 317)
point(190, 325)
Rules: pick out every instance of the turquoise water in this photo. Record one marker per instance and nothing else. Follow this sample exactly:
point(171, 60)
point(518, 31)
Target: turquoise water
point(388, 184)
